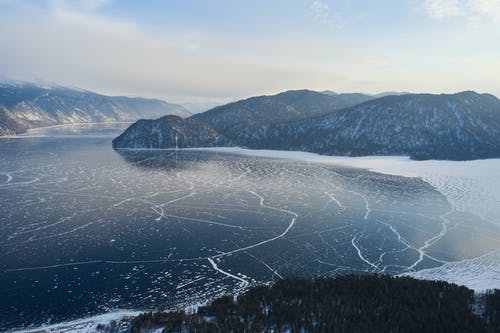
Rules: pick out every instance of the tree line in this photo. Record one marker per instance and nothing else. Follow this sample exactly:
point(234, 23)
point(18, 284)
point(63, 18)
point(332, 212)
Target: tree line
point(350, 303)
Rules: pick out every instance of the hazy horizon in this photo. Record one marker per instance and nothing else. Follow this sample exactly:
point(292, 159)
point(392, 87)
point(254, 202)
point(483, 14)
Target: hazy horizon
point(198, 106)
point(219, 51)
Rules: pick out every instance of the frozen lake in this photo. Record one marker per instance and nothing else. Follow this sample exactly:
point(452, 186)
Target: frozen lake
point(85, 229)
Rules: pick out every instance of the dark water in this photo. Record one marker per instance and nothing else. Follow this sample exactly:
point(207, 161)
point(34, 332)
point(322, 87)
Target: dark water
point(85, 229)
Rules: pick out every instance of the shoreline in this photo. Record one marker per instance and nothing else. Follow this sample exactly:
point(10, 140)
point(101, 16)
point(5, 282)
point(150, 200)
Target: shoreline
point(85, 324)
point(123, 317)
point(27, 135)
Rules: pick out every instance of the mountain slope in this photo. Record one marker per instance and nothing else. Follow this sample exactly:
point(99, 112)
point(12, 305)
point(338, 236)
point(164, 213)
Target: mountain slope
point(229, 119)
point(351, 98)
point(286, 106)
point(424, 126)
point(351, 303)
point(26, 105)
point(170, 132)
point(458, 126)
point(9, 124)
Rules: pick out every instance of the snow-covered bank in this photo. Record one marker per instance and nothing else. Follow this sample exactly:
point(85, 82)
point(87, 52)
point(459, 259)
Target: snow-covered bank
point(84, 325)
point(471, 186)
point(74, 131)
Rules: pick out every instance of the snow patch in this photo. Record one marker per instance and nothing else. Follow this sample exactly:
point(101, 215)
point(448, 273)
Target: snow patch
point(84, 325)
point(479, 274)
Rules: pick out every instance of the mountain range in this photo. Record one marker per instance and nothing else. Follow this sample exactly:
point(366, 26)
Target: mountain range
point(27, 105)
point(289, 105)
point(222, 125)
point(459, 126)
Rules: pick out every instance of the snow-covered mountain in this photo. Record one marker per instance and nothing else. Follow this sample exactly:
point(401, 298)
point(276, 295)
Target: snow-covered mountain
point(286, 106)
point(458, 126)
point(227, 120)
point(170, 132)
point(352, 98)
point(27, 105)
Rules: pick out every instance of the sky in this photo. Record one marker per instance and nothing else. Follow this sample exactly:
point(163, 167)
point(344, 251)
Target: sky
point(212, 51)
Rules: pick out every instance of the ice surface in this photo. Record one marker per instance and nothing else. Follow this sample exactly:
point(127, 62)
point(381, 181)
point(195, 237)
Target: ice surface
point(103, 230)
point(471, 186)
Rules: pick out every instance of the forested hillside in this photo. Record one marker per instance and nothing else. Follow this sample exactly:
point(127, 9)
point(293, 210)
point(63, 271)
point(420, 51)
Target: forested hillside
point(351, 303)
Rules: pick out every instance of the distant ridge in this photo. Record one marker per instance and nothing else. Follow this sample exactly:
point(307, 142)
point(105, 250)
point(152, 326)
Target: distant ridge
point(27, 105)
point(391, 93)
point(286, 106)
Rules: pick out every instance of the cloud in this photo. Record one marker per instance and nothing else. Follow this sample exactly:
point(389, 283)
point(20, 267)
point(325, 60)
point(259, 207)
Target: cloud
point(321, 12)
point(95, 49)
point(473, 11)
point(80, 4)
point(439, 9)
point(83, 48)
point(488, 8)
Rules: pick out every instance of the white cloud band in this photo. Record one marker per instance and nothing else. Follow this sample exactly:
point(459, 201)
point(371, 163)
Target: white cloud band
point(440, 9)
